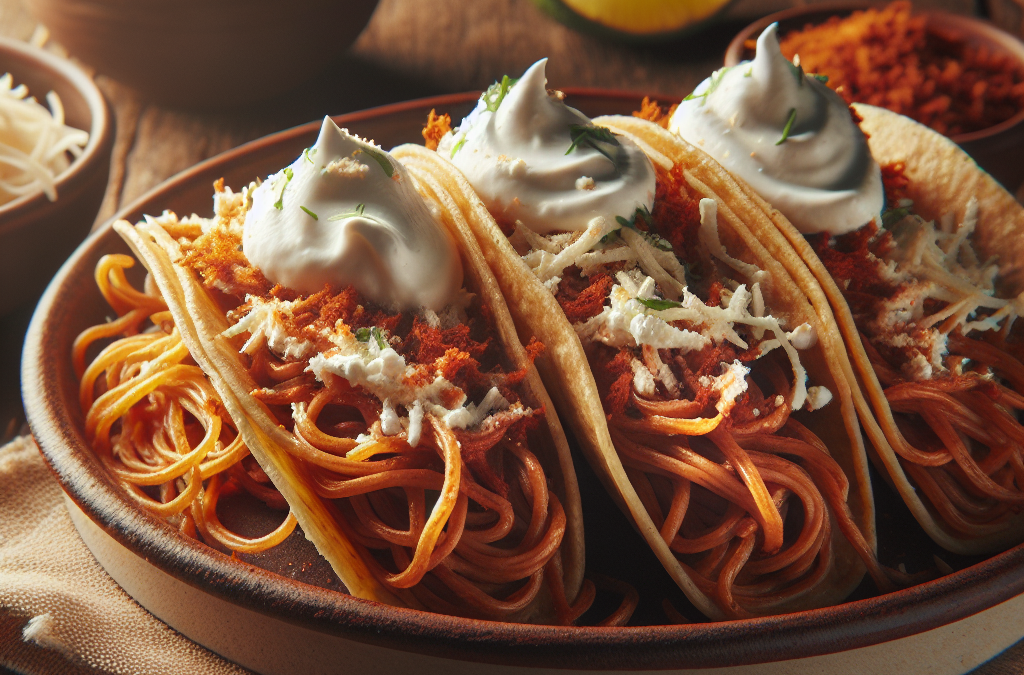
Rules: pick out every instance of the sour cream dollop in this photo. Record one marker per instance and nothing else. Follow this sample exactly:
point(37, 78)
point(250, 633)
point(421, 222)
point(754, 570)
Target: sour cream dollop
point(822, 176)
point(346, 213)
point(517, 159)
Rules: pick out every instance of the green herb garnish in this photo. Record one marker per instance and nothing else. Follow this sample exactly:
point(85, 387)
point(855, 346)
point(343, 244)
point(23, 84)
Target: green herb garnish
point(820, 78)
point(789, 126)
point(716, 79)
point(497, 92)
point(593, 136)
point(378, 335)
point(351, 214)
point(364, 335)
point(892, 216)
point(382, 159)
point(610, 237)
point(458, 146)
point(279, 204)
point(657, 304)
point(640, 212)
point(657, 242)
point(310, 213)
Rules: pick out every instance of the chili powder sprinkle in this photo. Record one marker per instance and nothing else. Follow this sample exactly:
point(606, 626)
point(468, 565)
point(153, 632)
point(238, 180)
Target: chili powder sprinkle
point(889, 58)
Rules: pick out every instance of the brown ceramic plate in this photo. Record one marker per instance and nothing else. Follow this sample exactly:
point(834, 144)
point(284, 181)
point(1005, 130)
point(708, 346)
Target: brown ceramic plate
point(37, 235)
point(283, 612)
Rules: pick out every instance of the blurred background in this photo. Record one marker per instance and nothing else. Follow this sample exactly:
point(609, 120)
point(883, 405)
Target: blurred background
point(409, 49)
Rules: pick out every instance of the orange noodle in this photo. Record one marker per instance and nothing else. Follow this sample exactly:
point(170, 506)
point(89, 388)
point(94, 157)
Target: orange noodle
point(461, 522)
point(155, 420)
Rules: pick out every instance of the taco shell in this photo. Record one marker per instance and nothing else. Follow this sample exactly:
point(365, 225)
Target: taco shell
point(749, 235)
point(943, 178)
point(201, 324)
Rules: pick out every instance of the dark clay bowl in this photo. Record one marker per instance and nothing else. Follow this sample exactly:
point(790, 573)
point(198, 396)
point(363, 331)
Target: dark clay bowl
point(37, 235)
point(998, 149)
point(282, 612)
point(205, 53)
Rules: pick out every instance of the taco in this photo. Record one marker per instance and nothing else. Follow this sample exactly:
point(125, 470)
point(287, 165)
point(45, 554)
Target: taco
point(919, 253)
point(357, 341)
point(679, 345)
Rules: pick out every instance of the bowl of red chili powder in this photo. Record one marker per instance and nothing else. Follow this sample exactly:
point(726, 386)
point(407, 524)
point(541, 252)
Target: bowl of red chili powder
point(959, 75)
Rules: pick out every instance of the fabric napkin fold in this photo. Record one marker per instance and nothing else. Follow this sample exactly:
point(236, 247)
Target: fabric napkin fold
point(78, 619)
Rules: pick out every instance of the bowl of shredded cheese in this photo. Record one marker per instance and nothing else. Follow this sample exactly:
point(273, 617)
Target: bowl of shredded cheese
point(959, 75)
point(56, 135)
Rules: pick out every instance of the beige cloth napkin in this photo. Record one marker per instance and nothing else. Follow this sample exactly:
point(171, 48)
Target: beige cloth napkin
point(78, 619)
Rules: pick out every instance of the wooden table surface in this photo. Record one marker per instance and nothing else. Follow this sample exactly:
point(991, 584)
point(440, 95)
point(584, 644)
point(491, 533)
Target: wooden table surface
point(410, 49)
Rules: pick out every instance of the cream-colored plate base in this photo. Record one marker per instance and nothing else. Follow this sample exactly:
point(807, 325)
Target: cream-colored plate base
point(274, 647)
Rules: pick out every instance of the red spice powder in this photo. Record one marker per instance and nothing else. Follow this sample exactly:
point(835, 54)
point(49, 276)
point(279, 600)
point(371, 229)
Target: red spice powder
point(583, 297)
point(651, 111)
point(895, 183)
point(889, 58)
point(676, 213)
point(437, 126)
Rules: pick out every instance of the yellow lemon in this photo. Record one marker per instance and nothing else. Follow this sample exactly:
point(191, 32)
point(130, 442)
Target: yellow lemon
point(632, 20)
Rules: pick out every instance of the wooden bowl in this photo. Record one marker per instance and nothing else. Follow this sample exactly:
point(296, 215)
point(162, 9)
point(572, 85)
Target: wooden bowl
point(282, 612)
point(997, 149)
point(205, 53)
point(37, 235)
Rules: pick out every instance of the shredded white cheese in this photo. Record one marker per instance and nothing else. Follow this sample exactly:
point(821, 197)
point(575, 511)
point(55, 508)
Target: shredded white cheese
point(34, 142)
point(818, 397)
point(264, 325)
point(947, 268)
point(637, 313)
point(373, 365)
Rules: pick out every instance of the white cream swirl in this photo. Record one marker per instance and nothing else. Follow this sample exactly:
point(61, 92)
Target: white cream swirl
point(346, 213)
point(517, 161)
point(821, 176)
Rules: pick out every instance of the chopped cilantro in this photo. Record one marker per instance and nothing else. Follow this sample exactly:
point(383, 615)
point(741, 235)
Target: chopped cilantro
point(610, 237)
point(458, 146)
point(640, 212)
point(310, 213)
point(657, 304)
point(364, 335)
point(358, 211)
point(382, 159)
point(716, 79)
point(594, 136)
point(279, 204)
point(789, 126)
point(820, 78)
point(892, 216)
point(497, 92)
